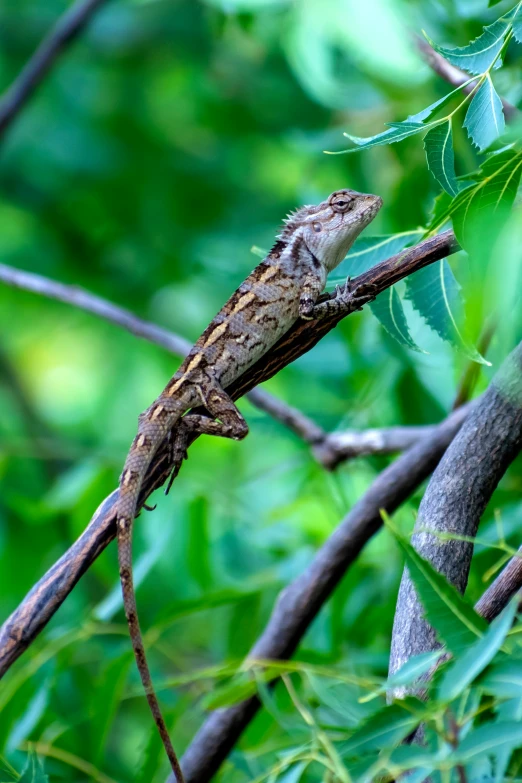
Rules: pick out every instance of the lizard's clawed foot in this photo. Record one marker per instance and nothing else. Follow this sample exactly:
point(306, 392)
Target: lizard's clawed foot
point(355, 297)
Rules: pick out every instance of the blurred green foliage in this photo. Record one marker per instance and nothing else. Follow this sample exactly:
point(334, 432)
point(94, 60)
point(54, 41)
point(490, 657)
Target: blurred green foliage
point(169, 139)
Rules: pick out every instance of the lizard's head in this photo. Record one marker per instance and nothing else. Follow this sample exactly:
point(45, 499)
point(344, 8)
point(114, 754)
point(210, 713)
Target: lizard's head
point(330, 228)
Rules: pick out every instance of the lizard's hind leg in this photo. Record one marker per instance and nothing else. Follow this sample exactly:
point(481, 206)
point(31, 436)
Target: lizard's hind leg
point(228, 423)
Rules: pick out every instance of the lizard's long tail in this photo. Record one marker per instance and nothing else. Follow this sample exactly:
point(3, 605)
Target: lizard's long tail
point(140, 456)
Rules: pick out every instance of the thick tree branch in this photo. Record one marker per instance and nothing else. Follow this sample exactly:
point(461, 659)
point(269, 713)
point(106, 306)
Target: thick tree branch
point(455, 76)
point(299, 603)
point(22, 627)
point(455, 499)
point(65, 30)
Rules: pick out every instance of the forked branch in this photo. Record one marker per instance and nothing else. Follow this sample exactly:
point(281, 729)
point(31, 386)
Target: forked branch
point(22, 627)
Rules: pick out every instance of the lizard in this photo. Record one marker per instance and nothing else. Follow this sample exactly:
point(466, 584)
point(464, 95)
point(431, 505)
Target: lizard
point(283, 288)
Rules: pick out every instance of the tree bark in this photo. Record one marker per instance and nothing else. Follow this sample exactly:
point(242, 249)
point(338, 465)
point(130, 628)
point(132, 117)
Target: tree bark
point(456, 498)
point(299, 603)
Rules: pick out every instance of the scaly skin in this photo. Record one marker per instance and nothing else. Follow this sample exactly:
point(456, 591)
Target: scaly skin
point(284, 287)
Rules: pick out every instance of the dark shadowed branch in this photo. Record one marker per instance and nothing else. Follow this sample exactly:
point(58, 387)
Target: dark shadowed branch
point(37, 608)
point(65, 30)
point(455, 500)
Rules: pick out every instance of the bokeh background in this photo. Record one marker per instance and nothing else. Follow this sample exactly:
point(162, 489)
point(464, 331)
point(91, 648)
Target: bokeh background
point(169, 139)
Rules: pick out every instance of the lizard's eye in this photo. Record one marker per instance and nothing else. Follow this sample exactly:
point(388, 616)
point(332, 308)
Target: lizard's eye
point(342, 205)
point(318, 228)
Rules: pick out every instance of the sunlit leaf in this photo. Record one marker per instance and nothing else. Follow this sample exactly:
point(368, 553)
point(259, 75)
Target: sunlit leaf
point(477, 56)
point(438, 144)
point(435, 294)
point(475, 659)
point(484, 119)
point(389, 310)
point(454, 619)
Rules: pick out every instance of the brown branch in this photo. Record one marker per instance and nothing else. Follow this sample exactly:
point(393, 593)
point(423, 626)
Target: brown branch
point(455, 76)
point(507, 584)
point(65, 30)
point(78, 297)
point(35, 611)
point(299, 603)
point(455, 499)
point(329, 449)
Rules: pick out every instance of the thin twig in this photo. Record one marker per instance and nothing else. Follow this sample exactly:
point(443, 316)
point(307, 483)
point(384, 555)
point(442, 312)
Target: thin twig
point(455, 76)
point(78, 297)
point(64, 31)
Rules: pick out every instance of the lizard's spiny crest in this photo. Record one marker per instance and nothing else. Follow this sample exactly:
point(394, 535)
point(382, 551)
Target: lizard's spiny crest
point(295, 219)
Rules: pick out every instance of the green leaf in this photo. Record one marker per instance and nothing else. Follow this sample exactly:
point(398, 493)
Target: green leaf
point(387, 308)
point(109, 690)
point(484, 119)
point(414, 667)
point(294, 773)
point(477, 56)
point(426, 113)
point(487, 203)
point(454, 619)
point(396, 133)
point(517, 26)
point(438, 143)
point(241, 688)
point(435, 294)
point(475, 659)
point(33, 771)
point(488, 739)
point(368, 251)
point(503, 679)
point(386, 728)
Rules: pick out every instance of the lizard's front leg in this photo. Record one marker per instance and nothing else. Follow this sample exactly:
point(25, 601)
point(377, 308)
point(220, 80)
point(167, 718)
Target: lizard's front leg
point(310, 291)
point(346, 300)
point(227, 423)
